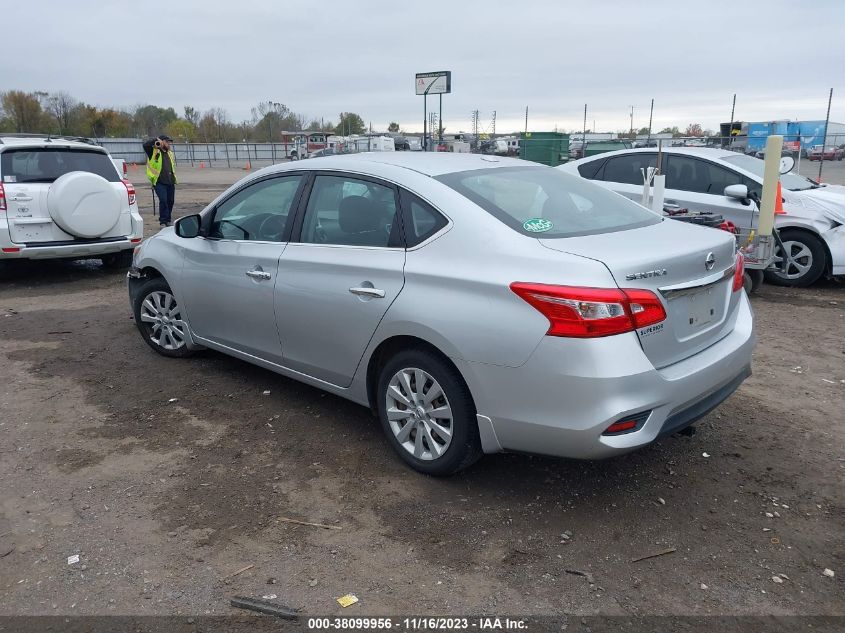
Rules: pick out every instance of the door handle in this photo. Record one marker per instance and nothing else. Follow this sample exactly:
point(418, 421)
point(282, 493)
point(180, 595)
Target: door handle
point(362, 291)
point(258, 274)
point(21, 198)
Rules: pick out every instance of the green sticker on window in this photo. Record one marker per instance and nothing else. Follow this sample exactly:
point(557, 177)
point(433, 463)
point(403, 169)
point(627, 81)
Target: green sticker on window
point(537, 225)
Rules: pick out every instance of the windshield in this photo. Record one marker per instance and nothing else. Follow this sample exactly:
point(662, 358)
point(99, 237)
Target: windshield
point(545, 202)
point(48, 164)
point(793, 182)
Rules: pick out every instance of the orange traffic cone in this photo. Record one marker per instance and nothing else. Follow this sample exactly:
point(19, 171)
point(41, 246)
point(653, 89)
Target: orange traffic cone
point(202, 165)
point(779, 201)
point(248, 166)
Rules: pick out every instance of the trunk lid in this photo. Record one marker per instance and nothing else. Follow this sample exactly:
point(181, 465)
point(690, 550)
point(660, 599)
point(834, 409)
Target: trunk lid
point(671, 260)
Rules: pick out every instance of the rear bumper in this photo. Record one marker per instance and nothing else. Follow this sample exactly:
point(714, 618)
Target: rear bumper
point(570, 390)
point(65, 250)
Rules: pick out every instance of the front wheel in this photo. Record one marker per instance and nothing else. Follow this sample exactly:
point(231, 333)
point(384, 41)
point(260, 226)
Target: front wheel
point(802, 263)
point(159, 319)
point(427, 413)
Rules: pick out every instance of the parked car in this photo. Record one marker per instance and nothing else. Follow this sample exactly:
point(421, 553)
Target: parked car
point(827, 153)
point(64, 198)
point(811, 227)
point(476, 303)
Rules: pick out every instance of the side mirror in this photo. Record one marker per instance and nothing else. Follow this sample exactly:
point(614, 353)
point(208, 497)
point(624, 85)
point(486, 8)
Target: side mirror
point(189, 226)
point(786, 164)
point(740, 192)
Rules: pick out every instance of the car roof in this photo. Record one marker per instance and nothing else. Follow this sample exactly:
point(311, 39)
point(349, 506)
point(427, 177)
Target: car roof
point(702, 152)
point(427, 163)
point(45, 141)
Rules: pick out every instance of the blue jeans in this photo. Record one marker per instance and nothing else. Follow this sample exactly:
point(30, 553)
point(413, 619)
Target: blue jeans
point(166, 197)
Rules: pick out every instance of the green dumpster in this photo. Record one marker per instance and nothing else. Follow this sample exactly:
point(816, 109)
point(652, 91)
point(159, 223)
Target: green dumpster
point(600, 147)
point(548, 148)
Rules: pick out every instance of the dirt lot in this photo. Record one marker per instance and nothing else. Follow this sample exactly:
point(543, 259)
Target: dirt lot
point(168, 478)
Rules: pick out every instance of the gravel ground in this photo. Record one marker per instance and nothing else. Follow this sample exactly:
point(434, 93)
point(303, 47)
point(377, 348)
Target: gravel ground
point(168, 479)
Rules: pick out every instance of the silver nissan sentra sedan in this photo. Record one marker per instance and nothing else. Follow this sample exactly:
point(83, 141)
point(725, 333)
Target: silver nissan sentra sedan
point(477, 304)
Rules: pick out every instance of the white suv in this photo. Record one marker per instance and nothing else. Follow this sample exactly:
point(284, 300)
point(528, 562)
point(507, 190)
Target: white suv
point(64, 198)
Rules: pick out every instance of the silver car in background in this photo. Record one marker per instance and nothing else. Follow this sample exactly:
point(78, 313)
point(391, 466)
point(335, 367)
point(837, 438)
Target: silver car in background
point(476, 303)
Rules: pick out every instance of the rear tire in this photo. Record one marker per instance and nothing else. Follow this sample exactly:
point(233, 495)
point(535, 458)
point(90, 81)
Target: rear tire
point(420, 383)
point(755, 280)
point(158, 317)
point(123, 259)
point(806, 259)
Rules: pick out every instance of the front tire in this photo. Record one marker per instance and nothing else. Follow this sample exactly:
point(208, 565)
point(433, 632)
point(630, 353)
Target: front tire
point(427, 413)
point(806, 259)
point(158, 317)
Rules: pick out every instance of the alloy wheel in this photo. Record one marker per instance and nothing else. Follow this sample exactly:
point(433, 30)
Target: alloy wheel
point(419, 413)
point(162, 317)
point(799, 259)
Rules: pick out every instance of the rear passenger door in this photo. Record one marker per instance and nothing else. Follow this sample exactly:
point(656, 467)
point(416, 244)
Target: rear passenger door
point(622, 173)
point(338, 276)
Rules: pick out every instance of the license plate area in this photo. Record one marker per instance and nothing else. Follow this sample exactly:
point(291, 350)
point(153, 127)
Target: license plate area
point(695, 312)
point(701, 308)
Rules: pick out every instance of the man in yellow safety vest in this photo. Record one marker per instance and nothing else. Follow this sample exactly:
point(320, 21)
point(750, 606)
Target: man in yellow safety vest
point(161, 172)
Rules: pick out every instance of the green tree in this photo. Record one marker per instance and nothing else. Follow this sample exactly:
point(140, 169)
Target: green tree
point(151, 120)
point(350, 123)
point(23, 109)
point(642, 130)
point(671, 130)
point(393, 127)
point(192, 115)
point(182, 129)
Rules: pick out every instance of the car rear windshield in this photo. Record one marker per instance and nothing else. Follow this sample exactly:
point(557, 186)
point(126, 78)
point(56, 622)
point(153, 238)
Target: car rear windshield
point(48, 164)
point(548, 203)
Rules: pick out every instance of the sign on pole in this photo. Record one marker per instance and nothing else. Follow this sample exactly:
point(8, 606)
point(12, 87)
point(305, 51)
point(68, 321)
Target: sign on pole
point(436, 83)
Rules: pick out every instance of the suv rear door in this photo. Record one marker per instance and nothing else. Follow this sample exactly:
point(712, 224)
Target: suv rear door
point(29, 172)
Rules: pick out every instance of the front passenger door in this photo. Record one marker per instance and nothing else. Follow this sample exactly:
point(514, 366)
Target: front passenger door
point(229, 274)
point(699, 185)
point(339, 275)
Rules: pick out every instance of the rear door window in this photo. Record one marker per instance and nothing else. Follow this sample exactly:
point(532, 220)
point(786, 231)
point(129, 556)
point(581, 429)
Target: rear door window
point(626, 168)
point(49, 164)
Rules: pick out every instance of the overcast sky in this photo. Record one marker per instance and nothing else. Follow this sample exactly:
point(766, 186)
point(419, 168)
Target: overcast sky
point(320, 57)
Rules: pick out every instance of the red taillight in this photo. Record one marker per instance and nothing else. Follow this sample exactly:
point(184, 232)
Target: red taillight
point(12, 250)
point(2, 198)
point(130, 188)
point(135, 240)
point(739, 272)
point(125, 170)
point(591, 312)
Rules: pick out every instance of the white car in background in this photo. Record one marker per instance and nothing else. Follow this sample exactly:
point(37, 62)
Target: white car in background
point(812, 226)
point(65, 198)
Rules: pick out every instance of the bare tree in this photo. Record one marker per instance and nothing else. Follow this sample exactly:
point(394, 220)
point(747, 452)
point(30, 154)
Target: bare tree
point(60, 106)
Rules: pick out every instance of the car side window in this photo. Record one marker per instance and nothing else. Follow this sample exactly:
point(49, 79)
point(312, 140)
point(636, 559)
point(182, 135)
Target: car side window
point(350, 211)
point(592, 170)
point(421, 219)
point(258, 212)
point(699, 176)
point(626, 168)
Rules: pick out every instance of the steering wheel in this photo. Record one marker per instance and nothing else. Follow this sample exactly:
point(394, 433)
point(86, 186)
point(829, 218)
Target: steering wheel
point(271, 228)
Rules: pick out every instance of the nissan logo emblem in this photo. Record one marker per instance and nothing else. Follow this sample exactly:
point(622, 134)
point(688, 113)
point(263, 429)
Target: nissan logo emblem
point(709, 261)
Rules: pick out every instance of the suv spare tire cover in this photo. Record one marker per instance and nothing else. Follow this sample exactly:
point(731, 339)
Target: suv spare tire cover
point(84, 204)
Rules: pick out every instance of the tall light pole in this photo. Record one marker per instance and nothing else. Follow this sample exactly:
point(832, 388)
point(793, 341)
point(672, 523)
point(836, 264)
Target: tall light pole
point(273, 105)
point(631, 133)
